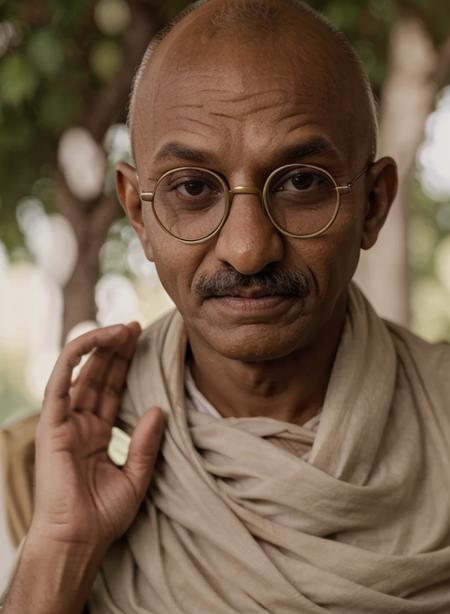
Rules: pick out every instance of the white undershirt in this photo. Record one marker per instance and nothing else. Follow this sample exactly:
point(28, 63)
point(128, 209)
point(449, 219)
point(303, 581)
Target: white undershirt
point(195, 400)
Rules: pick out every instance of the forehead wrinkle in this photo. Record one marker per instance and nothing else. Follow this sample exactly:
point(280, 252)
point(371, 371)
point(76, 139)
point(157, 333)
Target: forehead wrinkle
point(226, 116)
point(248, 97)
point(195, 120)
point(199, 123)
point(242, 107)
point(241, 115)
point(227, 107)
point(223, 93)
point(306, 29)
point(308, 77)
point(185, 105)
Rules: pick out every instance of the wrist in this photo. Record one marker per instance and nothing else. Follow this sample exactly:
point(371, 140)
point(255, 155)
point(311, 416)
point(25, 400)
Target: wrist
point(53, 577)
point(85, 555)
point(64, 541)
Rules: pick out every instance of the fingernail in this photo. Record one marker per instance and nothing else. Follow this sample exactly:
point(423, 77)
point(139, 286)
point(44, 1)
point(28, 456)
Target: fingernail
point(136, 324)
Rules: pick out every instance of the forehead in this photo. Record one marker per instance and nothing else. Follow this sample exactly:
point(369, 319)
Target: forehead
point(242, 90)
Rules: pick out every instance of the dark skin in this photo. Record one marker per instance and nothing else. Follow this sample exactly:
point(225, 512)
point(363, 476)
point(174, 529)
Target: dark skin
point(250, 358)
point(82, 501)
point(241, 119)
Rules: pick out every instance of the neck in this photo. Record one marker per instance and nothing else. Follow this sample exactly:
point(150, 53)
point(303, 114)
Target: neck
point(290, 389)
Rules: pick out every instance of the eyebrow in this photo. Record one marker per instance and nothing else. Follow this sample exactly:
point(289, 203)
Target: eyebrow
point(315, 146)
point(182, 152)
point(294, 153)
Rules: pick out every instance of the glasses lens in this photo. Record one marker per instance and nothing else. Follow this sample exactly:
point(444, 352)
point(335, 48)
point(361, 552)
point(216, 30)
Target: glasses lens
point(190, 203)
point(302, 200)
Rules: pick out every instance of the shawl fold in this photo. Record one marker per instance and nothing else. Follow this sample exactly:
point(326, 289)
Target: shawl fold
point(17, 465)
point(233, 523)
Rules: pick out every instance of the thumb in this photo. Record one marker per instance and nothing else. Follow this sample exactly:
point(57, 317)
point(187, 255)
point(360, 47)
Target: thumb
point(144, 447)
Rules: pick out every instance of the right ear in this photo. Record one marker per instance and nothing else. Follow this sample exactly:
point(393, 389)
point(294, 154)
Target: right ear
point(128, 192)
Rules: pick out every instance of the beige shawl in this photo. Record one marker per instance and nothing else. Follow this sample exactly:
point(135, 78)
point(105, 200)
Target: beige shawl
point(236, 524)
point(17, 470)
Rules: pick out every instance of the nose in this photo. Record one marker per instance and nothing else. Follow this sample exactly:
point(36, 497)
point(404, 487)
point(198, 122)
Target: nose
point(248, 241)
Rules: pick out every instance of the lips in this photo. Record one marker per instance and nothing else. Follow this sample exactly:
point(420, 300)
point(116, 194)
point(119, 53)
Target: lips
point(254, 304)
point(249, 293)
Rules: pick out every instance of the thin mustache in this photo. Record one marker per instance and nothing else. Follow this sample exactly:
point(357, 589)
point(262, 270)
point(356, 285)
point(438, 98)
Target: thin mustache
point(230, 282)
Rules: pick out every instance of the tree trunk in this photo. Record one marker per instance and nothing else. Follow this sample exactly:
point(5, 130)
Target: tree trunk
point(90, 224)
point(408, 98)
point(91, 221)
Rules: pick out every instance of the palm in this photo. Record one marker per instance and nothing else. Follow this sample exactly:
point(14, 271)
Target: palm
point(80, 494)
point(92, 491)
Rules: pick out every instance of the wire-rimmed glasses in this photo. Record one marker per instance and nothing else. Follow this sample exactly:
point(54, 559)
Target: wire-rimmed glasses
point(192, 203)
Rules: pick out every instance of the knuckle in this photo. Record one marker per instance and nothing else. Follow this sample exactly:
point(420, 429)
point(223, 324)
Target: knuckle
point(91, 382)
point(112, 390)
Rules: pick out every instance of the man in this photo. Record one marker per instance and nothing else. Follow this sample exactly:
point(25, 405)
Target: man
point(304, 465)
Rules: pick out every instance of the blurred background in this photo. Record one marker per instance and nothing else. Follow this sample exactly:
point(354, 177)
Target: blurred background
point(70, 262)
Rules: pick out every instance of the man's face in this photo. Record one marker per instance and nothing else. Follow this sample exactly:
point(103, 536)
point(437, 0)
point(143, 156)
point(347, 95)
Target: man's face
point(241, 111)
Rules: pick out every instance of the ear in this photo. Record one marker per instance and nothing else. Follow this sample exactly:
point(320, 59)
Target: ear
point(128, 192)
point(382, 185)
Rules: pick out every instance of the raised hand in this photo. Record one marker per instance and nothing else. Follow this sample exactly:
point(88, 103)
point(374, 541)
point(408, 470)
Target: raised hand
point(81, 497)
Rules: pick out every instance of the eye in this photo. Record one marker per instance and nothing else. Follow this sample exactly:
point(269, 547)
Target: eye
point(194, 187)
point(303, 181)
point(190, 186)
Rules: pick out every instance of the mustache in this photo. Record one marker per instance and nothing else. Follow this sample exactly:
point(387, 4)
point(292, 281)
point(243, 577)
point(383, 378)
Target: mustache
point(272, 281)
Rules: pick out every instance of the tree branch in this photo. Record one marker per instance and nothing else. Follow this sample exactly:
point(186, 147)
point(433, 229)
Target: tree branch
point(442, 70)
point(111, 101)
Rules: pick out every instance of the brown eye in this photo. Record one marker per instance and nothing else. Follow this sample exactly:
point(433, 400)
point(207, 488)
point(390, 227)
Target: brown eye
point(302, 181)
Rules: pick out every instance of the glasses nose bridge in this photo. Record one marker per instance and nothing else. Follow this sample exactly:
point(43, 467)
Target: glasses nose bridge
point(245, 189)
point(242, 189)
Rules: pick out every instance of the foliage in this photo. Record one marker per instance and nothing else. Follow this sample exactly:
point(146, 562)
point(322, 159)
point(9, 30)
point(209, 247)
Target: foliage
point(55, 55)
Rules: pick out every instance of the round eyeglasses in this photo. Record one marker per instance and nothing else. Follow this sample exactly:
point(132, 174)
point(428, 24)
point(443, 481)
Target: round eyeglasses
point(192, 203)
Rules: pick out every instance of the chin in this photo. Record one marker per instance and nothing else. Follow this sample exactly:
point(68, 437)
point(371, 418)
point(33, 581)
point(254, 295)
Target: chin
point(255, 342)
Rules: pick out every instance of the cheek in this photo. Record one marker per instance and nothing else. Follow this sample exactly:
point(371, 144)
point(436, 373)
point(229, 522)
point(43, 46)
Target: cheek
point(174, 268)
point(177, 265)
point(333, 258)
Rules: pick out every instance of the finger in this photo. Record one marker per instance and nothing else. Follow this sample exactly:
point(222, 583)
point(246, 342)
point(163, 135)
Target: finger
point(112, 392)
point(85, 390)
point(56, 398)
point(90, 384)
point(144, 446)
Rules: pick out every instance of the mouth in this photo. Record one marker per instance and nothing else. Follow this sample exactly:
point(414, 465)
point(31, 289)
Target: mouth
point(253, 301)
point(249, 293)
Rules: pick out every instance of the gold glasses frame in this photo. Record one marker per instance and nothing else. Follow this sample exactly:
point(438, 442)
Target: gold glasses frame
point(229, 193)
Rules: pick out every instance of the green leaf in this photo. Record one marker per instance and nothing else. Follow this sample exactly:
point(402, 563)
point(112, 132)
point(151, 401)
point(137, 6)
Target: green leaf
point(18, 79)
point(16, 130)
point(106, 59)
point(58, 108)
point(46, 51)
point(342, 13)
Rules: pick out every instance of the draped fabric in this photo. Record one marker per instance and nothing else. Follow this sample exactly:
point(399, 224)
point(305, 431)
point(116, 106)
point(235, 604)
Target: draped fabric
point(17, 467)
point(234, 523)
point(301, 446)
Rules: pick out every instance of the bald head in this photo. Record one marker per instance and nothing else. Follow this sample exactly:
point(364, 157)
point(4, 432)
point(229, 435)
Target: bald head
point(207, 22)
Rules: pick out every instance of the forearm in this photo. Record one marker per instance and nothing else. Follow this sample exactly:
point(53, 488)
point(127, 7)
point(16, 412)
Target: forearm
point(53, 578)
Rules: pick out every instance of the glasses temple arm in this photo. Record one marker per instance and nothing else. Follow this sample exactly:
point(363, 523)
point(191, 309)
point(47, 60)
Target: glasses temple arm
point(147, 196)
point(345, 189)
